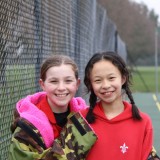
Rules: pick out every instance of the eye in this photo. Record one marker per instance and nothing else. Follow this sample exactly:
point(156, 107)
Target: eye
point(54, 81)
point(112, 78)
point(97, 80)
point(69, 81)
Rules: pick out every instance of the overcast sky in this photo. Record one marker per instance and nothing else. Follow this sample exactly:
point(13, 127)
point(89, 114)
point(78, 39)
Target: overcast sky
point(152, 4)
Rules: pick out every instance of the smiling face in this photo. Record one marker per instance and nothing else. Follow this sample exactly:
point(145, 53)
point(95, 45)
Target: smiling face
point(106, 81)
point(60, 85)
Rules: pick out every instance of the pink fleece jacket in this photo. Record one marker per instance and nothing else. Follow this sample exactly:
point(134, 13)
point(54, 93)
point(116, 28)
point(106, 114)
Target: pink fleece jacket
point(27, 109)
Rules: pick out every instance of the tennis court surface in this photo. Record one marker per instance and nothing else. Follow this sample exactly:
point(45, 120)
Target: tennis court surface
point(150, 104)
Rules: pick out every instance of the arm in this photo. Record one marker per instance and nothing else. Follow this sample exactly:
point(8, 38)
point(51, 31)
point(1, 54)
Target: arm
point(27, 147)
point(148, 137)
point(74, 142)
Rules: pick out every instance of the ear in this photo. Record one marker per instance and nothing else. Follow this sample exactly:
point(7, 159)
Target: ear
point(78, 83)
point(41, 83)
point(123, 80)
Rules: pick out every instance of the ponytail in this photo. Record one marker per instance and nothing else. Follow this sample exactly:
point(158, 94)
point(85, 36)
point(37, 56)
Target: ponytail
point(90, 117)
point(135, 111)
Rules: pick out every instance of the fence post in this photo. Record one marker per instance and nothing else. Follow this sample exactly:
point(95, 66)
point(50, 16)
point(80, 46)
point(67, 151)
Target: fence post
point(38, 39)
point(156, 60)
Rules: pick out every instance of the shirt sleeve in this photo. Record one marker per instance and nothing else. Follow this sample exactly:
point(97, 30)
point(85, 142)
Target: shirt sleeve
point(148, 140)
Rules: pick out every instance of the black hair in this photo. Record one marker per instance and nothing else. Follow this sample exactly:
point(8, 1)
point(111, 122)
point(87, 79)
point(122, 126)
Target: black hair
point(120, 64)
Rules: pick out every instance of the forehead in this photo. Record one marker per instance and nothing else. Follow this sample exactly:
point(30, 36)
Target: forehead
point(103, 64)
point(104, 67)
point(59, 71)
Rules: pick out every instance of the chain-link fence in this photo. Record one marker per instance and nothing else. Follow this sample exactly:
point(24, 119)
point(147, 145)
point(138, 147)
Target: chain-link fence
point(30, 30)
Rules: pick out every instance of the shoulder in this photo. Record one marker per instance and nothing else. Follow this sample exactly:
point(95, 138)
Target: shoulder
point(145, 116)
point(146, 119)
point(77, 104)
point(84, 112)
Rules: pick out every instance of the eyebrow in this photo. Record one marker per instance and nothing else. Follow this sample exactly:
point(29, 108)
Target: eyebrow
point(63, 77)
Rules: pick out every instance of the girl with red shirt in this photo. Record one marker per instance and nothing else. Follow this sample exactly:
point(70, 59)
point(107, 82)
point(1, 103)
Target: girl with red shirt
point(124, 132)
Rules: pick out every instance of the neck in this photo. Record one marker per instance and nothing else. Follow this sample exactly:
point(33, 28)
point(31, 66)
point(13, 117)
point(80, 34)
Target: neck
point(57, 109)
point(112, 110)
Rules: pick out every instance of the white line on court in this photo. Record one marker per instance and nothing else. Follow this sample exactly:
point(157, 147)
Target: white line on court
point(156, 101)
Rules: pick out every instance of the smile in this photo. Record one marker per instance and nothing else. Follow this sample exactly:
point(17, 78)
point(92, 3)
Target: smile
point(107, 93)
point(62, 95)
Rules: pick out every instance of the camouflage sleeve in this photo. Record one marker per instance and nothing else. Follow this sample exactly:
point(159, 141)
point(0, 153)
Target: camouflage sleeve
point(74, 142)
point(24, 147)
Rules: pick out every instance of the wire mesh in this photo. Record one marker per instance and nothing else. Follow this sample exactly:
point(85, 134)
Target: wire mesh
point(32, 30)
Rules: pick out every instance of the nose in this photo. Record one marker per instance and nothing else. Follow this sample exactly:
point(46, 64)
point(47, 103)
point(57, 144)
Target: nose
point(105, 84)
point(61, 86)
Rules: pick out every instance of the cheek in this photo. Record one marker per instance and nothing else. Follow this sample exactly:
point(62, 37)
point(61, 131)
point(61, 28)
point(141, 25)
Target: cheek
point(118, 85)
point(49, 87)
point(95, 87)
point(74, 87)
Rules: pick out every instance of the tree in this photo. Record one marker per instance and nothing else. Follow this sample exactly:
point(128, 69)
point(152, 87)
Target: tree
point(136, 25)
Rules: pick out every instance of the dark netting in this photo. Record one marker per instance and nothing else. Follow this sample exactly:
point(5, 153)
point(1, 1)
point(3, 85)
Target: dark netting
point(32, 30)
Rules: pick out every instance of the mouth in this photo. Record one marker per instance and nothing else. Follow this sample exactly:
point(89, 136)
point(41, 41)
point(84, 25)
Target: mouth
point(62, 95)
point(107, 93)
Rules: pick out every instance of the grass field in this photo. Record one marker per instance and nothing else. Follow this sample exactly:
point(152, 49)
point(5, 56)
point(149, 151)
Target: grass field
point(144, 79)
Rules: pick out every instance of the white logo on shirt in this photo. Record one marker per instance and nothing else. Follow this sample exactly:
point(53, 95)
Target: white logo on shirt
point(124, 148)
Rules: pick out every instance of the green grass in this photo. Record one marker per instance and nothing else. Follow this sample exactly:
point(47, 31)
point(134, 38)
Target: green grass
point(144, 80)
point(19, 80)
